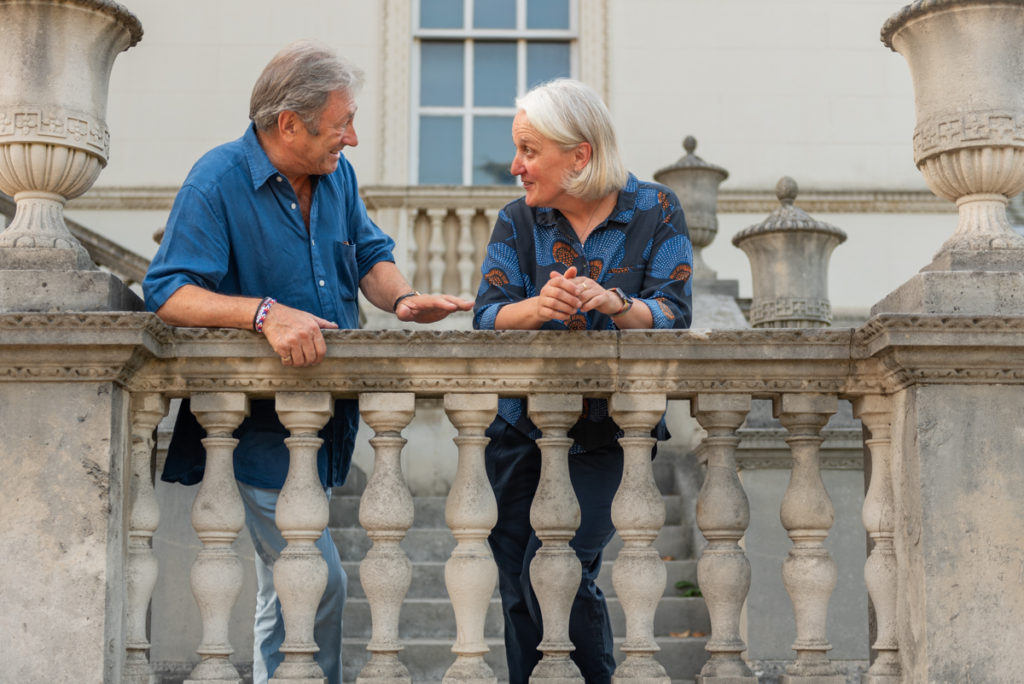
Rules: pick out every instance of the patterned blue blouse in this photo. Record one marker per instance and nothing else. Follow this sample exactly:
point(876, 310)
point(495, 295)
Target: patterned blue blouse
point(643, 247)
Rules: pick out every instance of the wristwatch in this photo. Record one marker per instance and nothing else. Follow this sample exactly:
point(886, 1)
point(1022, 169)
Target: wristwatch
point(627, 301)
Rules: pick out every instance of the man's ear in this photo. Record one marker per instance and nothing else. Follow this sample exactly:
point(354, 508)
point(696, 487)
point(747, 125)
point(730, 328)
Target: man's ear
point(582, 153)
point(287, 124)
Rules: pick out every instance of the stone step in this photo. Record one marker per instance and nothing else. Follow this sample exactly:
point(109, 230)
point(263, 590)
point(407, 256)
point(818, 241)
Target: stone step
point(434, 618)
point(428, 579)
point(434, 544)
point(429, 659)
point(428, 511)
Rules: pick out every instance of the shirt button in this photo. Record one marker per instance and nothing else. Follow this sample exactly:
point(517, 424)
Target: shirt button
point(322, 283)
point(279, 179)
point(312, 242)
point(293, 205)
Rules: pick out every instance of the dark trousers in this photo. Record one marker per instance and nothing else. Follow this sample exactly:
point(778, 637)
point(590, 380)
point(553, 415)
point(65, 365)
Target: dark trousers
point(513, 467)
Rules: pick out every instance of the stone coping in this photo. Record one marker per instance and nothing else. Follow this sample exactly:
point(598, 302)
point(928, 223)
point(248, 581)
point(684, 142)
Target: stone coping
point(889, 352)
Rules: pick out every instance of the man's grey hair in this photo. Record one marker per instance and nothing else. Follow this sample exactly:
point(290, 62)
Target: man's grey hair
point(299, 79)
point(569, 112)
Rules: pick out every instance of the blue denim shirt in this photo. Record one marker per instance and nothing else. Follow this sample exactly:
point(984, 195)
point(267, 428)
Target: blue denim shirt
point(236, 229)
point(643, 247)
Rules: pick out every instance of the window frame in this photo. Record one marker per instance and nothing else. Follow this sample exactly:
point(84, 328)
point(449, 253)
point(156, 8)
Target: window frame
point(467, 111)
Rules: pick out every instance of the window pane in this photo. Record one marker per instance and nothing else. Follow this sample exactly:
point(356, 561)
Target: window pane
point(547, 14)
point(441, 73)
point(441, 150)
point(545, 61)
point(441, 14)
point(492, 150)
point(494, 14)
point(494, 77)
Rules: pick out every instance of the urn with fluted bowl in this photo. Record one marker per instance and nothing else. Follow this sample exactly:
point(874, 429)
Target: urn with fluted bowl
point(54, 76)
point(966, 59)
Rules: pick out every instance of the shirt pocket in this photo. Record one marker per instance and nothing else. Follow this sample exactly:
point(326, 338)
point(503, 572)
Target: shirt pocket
point(348, 271)
point(629, 278)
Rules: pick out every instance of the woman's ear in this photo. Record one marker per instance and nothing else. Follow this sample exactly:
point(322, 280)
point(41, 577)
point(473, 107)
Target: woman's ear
point(582, 156)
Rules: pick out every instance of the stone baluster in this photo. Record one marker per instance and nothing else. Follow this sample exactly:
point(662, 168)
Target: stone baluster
point(147, 411)
point(386, 513)
point(471, 511)
point(412, 268)
point(300, 573)
point(482, 233)
point(723, 514)
point(467, 266)
point(437, 248)
point(809, 573)
point(483, 225)
point(555, 571)
point(878, 515)
point(419, 250)
point(217, 516)
point(638, 512)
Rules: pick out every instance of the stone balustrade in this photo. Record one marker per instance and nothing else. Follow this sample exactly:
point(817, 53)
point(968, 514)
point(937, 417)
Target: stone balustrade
point(441, 232)
point(138, 363)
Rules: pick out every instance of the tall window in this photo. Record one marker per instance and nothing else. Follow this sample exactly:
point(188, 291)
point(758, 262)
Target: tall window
point(475, 57)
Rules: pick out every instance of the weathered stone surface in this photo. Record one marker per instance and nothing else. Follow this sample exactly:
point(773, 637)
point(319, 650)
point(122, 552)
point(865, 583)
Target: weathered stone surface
point(959, 525)
point(57, 291)
point(63, 453)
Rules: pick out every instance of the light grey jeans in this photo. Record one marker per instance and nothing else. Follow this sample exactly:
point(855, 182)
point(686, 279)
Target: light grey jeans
point(268, 627)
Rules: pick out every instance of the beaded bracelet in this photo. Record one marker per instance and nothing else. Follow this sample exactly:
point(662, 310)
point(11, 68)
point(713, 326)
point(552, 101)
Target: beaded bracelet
point(261, 313)
point(394, 308)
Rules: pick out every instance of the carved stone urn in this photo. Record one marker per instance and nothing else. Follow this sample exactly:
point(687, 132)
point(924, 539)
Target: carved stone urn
point(54, 75)
point(789, 254)
point(696, 182)
point(966, 59)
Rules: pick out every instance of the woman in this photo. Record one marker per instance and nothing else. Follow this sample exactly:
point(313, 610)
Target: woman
point(588, 248)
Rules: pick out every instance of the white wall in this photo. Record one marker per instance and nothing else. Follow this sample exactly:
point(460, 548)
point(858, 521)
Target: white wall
point(769, 87)
point(185, 87)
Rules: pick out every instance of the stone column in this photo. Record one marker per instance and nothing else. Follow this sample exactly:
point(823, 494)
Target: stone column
point(789, 253)
point(147, 411)
point(555, 514)
point(300, 573)
point(63, 529)
point(217, 516)
point(723, 515)
point(54, 142)
point(386, 513)
point(956, 430)
point(471, 511)
point(638, 511)
point(809, 572)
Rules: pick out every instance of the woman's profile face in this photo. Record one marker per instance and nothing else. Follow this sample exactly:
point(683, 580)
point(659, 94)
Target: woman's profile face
point(541, 164)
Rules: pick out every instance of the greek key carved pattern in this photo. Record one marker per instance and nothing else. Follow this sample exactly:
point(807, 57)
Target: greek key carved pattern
point(790, 308)
point(971, 129)
point(828, 462)
point(54, 125)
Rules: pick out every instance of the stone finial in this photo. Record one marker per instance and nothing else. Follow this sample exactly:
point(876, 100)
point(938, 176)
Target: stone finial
point(696, 182)
point(789, 253)
point(786, 190)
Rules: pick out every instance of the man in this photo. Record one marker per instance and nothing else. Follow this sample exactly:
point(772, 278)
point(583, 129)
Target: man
point(268, 233)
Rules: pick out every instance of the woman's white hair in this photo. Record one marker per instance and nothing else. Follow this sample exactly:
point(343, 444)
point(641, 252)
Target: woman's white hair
point(569, 112)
